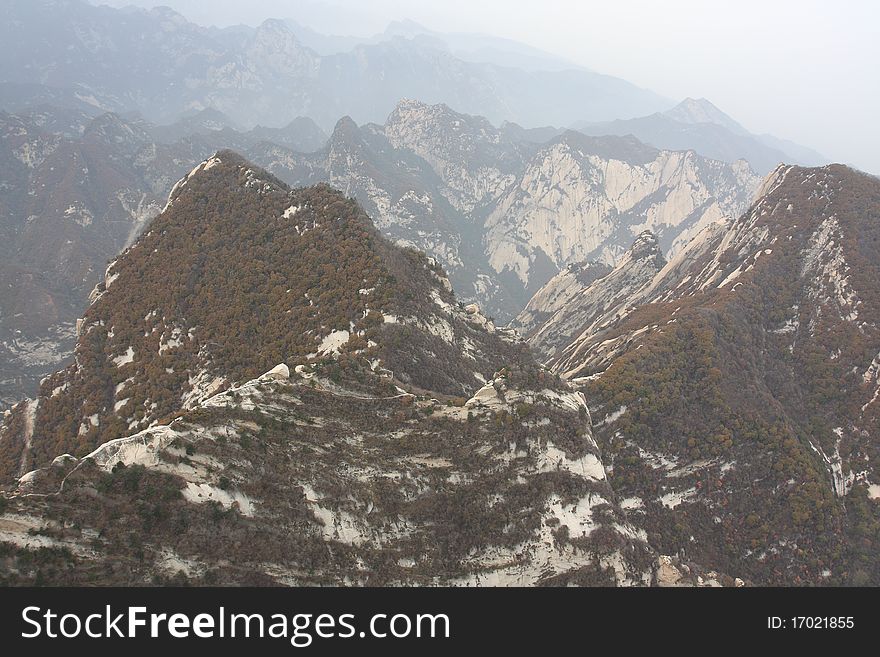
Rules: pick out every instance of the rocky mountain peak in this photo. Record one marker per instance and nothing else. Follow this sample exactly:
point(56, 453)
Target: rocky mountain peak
point(227, 169)
point(169, 16)
point(772, 180)
point(646, 245)
point(275, 49)
point(438, 130)
point(407, 106)
point(409, 110)
point(700, 110)
point(346, 131)
point(275, 26)
point(210, 119)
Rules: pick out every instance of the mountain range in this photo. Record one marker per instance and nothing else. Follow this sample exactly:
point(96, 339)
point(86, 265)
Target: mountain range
point(422, 308)
point(504, 208)
point(470, 47)
point(69, 50)
point(501, 208)
point(709, 425)
point(696, 124)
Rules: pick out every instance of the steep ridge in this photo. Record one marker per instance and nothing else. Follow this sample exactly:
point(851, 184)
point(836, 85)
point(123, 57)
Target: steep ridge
point(573, 305)
point(395, 436)
point(77, 190)
point(557, 294)
point(735, 395)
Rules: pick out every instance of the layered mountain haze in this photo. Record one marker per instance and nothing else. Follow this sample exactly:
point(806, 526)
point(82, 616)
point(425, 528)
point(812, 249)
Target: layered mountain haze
point(265, 75)
point(403, 439)
point(470, 47)
point(734, 389)
point(700, 126)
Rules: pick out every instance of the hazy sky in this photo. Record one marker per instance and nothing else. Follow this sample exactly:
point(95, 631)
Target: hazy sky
point(805, 70)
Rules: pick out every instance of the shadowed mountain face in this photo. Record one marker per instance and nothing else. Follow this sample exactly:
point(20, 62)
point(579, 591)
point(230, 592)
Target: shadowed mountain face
point(69, 202)
point(734, 391)
point(163, 66)
point(401, 439)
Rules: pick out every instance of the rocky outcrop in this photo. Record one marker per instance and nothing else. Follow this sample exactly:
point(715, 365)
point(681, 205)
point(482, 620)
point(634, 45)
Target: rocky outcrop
point(575, 311)
point(521, 504)
point(582, 199)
